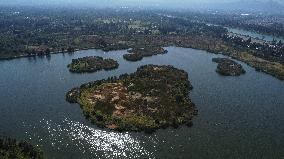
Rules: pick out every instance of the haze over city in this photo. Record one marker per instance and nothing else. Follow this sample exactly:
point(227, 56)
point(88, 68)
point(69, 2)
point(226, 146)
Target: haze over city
point(148, 3)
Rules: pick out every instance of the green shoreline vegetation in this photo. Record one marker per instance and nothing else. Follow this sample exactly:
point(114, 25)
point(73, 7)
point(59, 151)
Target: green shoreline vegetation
point(138, 54)
point(151, 98)
point(101, 29)
point(227, 67)
point(12, 149)
point(92, 64)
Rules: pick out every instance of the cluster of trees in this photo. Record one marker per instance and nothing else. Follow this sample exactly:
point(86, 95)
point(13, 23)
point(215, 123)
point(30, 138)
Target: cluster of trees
point(228, 67)
point(162, 99)
point(137, 54)
point(262, 23)
point(42, 31)
point(92, 64)
point(272, 51)
point(11, 149)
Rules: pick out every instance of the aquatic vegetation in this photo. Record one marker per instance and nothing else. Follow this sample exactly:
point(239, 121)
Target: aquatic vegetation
point(151, 98)
point(92, 64)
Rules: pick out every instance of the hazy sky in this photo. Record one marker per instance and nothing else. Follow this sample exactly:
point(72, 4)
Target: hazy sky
point(167, 3)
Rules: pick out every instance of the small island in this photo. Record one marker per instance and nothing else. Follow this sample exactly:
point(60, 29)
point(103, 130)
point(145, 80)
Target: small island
point(151, 98)
point(11, 149)
point(227, 67)
point(137, 54)
point(92, 64)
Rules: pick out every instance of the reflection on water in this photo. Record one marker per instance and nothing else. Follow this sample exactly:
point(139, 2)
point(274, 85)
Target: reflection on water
point(100, 143)
point(239, 117)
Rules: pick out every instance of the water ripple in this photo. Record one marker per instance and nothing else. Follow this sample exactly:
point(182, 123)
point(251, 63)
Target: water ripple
point(99, 143)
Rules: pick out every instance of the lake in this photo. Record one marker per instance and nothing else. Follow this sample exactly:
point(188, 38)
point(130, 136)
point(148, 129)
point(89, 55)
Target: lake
point(254, 34)
point(239, 117)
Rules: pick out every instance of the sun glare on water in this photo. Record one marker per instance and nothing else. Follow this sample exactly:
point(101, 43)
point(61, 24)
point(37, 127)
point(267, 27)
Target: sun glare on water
point(97, 142)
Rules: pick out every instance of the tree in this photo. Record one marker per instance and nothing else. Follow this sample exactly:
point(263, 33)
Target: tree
point(101, 43)
point(47, 51)
point(179, 98)
point(274, 41)
point(279, 43)
point(70, 49)
point(248, 41)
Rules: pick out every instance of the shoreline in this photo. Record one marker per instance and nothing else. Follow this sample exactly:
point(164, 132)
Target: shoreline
point(130, 103)
point(274, 69)
point(51, 53)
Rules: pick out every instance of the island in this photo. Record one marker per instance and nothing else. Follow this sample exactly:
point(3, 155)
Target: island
point(92, 64)
point(98, 29)
point(227, 67)
point(10, 148)
point(151, 98)
point(137, 54)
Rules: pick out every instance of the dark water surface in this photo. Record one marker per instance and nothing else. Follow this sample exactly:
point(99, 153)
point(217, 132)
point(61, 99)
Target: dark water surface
point(239, 117)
